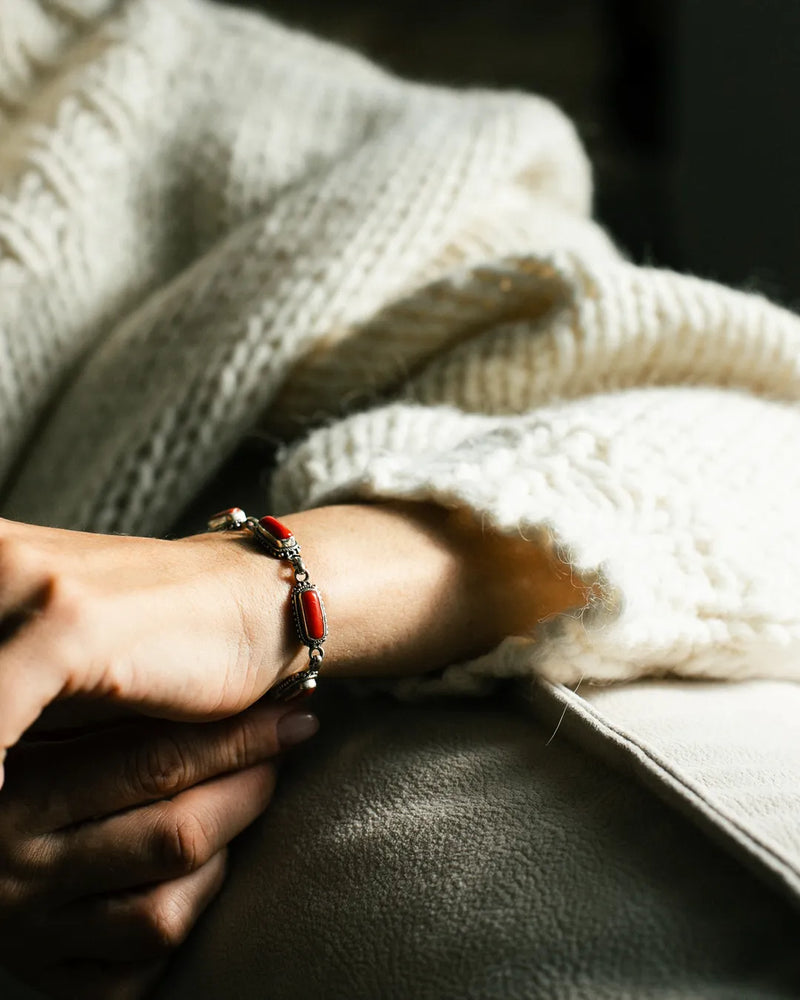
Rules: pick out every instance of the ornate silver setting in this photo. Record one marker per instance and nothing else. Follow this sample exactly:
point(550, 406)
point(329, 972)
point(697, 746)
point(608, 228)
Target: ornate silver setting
point(302, 683)
point(228, 520)
point(279, 548)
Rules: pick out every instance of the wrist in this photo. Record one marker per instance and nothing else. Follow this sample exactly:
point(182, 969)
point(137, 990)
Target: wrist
point(408, 587)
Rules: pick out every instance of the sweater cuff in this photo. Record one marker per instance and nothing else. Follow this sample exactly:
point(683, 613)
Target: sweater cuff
point(660, 499)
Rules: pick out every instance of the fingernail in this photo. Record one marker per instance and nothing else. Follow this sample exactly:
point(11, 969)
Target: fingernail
point(296, 727)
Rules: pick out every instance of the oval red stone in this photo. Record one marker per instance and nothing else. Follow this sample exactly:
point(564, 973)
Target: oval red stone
point(313, 617)
point(275, 528)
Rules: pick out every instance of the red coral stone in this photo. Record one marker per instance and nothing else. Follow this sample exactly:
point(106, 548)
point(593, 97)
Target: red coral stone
point(312, 614)
point(275, 528)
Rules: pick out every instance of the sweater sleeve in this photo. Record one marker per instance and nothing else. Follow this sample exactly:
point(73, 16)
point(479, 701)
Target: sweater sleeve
point(643, 424)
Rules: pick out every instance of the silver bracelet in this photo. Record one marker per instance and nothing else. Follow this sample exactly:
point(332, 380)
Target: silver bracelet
point(308, 611)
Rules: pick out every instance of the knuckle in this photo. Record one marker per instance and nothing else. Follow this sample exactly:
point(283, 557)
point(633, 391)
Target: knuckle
point(20, 562)
point(14, 895)
point(183, 844)
point(27, 870)
point(159, 768)
point(30, 859)
point(71, 613)
point(166, 922)
point(242, 743)
point(64, 598)
point(15, 555)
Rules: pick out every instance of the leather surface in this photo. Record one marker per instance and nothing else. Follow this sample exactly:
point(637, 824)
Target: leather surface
point(457, 851)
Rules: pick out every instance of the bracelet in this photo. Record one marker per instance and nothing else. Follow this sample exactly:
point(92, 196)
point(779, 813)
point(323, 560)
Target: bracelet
point(308, 610)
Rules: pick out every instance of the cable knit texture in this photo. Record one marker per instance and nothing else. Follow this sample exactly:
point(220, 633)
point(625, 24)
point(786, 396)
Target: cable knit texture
point(211, 224)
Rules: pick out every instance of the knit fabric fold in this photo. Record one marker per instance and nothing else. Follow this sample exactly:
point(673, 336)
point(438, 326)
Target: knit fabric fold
point(212, 225)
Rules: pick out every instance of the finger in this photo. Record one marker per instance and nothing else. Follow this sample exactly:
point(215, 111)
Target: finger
point(21, 574)
point(161, 841)
point(141, 926)
point(102, 773)
point(37, 665)
point(29, 677)
point(32, 674)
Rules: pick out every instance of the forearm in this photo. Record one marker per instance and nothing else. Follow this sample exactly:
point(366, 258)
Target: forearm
point(407, 587)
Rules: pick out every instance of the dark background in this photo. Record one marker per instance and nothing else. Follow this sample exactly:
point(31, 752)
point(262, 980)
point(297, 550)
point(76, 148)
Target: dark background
point(688, 107)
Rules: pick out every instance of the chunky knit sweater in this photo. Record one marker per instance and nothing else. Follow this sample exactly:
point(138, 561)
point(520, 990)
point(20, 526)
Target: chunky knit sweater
point(210, 224)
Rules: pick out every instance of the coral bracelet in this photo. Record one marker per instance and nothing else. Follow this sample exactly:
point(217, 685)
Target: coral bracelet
point(308, 610)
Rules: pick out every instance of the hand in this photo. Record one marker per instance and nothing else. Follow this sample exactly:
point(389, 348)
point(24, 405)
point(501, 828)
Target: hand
point(167, 628)
point(112, 844)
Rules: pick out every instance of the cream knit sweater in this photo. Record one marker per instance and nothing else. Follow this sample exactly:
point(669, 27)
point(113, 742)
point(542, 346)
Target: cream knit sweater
point(210, 224)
